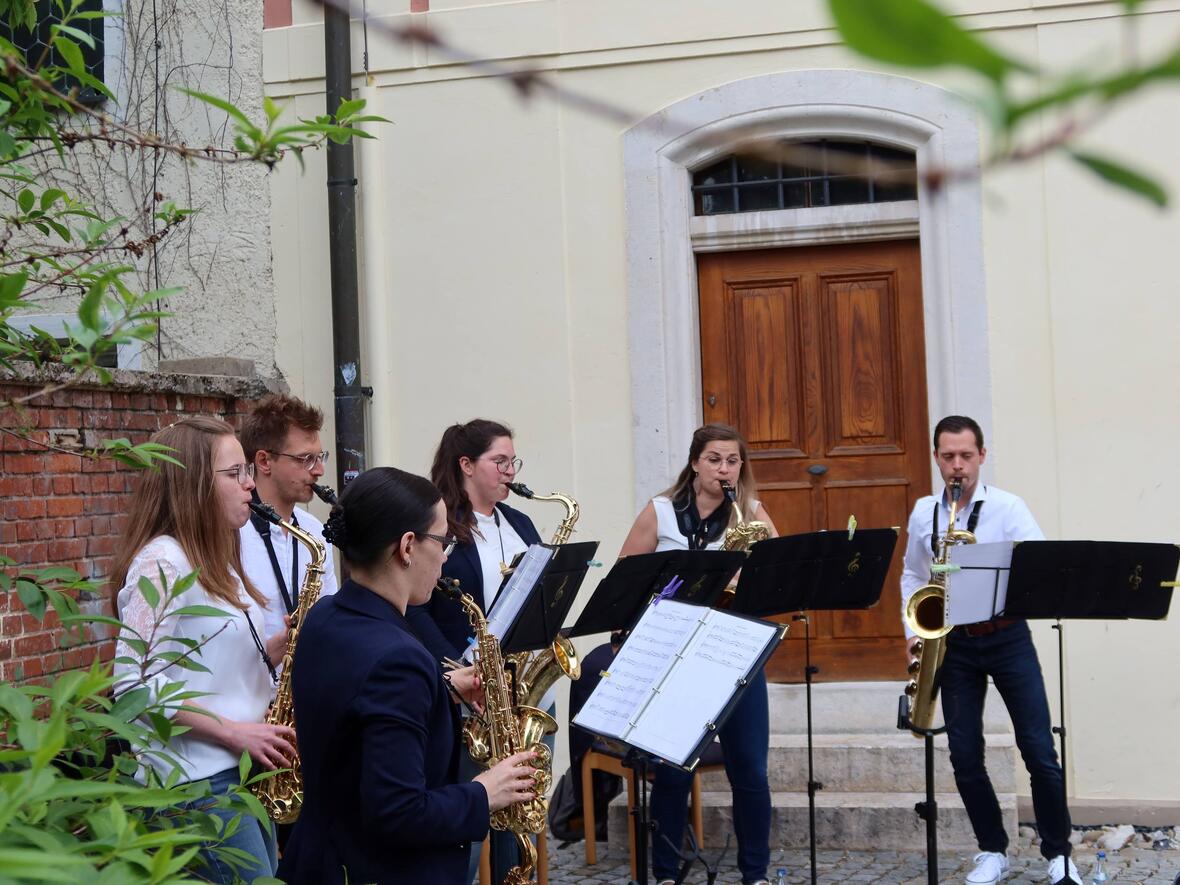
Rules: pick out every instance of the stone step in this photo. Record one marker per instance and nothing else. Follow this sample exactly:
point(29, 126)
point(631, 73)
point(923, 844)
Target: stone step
point(848, 821)
point(857, 708)
point(876, 763)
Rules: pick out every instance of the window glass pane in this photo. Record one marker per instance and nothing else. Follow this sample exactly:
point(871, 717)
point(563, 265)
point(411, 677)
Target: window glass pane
point(803, 158)
point(716, 201)
point(757, 197)
point(718, 173)
point(756, 169)
point(795, 195)
point(843, 191)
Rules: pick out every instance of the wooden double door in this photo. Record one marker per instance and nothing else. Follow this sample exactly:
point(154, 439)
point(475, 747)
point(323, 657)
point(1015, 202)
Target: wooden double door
point(817, 354)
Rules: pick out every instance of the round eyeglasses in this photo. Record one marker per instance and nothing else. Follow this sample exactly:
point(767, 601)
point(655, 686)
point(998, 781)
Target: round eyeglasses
point(507, 465)
point(243, 473)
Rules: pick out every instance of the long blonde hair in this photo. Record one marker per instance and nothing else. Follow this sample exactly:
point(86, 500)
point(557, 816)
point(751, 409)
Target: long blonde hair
point(182, 501)
point(747, 489)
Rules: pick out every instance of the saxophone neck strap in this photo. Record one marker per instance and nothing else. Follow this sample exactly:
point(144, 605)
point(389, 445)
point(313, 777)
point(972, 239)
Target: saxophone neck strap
point(270, 668)
point(290, 596)
point(972, 521)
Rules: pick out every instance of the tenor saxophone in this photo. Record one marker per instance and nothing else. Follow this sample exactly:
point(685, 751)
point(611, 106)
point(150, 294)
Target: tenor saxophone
point(925, 614)
point(505, 729)
point(282, 795)
point(535, 673)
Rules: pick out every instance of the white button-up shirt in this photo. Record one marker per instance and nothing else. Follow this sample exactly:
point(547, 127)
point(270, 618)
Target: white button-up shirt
point(1003, 517)
point(256, 564)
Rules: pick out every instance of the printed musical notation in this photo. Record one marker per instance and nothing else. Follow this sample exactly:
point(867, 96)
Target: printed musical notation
point(672, 678)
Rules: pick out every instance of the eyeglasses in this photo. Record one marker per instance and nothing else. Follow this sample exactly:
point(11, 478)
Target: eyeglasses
point(243, 473)
point(715, 462)
point(504, 465)
point(309, 461)
point(448, 541)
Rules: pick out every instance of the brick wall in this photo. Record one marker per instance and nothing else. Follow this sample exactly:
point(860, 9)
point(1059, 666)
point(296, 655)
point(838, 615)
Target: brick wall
point(64, 509)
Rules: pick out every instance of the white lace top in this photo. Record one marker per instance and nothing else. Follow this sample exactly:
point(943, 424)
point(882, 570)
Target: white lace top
point(238, 684)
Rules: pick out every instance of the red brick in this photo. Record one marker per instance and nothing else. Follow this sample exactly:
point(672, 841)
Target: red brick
point(83, 527)
point(12, 486)
point(25, 508)
point(100, 482)
point(63, 485)
point(44, 529)
point(26, 531)
point(35, 644)
point(100, 525)
point(67, 551)
point(64, 507)
point(23, 464)
point(100, 399)
point(42, 485)
point(100, 546)
point(8, 533)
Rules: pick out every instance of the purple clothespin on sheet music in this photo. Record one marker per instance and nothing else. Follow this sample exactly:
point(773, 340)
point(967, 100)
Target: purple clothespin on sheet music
point(675, 584)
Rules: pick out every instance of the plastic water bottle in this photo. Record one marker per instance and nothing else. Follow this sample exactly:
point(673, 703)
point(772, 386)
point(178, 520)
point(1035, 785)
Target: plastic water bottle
point(1100, 869)
point(780, 876)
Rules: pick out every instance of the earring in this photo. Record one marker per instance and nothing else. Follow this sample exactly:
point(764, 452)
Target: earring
point(406, 563)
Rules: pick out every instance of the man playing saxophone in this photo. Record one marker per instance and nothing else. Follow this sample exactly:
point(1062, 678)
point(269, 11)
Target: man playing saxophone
point(1000, 649)
point(281, 438)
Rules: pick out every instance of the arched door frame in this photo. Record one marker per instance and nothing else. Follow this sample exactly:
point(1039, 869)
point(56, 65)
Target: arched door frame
point(659, 154)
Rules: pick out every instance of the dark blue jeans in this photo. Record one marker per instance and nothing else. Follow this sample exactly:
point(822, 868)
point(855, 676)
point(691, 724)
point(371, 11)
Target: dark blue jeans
point(253, 837)
point(745, 744)
point(1009, 658)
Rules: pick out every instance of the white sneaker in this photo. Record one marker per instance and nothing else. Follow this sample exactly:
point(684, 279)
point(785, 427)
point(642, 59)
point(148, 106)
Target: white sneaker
point(1062, 870)
point(990, 868)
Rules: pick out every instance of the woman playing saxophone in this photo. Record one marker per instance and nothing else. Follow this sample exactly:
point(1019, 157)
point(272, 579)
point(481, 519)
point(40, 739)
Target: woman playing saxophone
point(377, 724)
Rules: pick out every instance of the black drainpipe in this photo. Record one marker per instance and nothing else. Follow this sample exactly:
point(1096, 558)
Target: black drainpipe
point(346, 337)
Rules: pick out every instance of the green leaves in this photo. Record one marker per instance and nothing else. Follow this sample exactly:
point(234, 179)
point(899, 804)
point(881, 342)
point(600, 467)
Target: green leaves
point(916, 34)
point(1122, 176)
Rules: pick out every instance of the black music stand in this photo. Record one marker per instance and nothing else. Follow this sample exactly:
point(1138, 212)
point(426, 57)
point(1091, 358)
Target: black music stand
point(620, 597)
point(640, 759)
point(541, 616)
point(816, 571)
point(1088, 580)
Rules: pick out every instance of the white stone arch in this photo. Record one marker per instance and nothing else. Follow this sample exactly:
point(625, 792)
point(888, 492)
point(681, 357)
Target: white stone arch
point(659, 153)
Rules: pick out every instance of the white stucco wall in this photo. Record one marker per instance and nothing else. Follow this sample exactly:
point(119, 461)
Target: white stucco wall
point(505, 246)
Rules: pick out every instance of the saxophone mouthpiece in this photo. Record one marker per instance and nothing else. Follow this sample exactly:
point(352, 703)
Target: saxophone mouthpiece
point(327, 494)
point(956, 488)
point(449, 587)
point(266, 512)
point(521, 489)
point(729, 491)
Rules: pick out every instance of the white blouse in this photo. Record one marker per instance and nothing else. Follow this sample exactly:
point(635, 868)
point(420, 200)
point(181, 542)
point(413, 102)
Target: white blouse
point(238, 685)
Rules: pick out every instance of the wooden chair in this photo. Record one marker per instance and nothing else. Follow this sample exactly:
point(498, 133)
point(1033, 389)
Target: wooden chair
point(485, 861)
point(597, 760)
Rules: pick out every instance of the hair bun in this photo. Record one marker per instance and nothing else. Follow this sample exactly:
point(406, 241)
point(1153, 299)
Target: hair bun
point(335, 532)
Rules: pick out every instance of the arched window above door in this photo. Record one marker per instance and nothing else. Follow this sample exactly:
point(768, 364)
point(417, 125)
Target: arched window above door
point(805, 174)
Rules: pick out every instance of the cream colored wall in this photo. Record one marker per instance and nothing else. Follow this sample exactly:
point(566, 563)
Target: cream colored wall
point(505, 246)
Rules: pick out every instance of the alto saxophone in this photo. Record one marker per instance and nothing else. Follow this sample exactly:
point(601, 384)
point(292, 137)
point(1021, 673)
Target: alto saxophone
point(535, 673)
point(282, 795)
point(925, 614)
point(743, 534)
point(505, 729)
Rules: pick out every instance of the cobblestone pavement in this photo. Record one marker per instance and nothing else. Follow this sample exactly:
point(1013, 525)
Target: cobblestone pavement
point(567, 866)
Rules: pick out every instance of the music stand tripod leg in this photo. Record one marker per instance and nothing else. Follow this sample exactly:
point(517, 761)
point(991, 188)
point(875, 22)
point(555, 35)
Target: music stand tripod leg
point(928, 809)
point(1060, 729)
point(813, 786)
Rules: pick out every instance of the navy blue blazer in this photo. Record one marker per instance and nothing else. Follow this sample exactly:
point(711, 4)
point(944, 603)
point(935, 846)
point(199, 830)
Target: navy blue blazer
point(441, 623)
point(377, 740)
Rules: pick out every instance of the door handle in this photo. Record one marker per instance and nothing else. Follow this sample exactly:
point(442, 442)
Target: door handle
point(817, 469)
point(712, 400)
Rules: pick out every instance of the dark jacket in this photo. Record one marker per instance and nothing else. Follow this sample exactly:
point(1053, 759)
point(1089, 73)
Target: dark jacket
point(377, 739)
point(441, 624)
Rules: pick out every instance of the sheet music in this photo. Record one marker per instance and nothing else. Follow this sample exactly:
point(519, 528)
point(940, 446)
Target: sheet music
point(510, 600)
point(720, 654)
point(641, 664)
point(979, 589)
point(673, 676)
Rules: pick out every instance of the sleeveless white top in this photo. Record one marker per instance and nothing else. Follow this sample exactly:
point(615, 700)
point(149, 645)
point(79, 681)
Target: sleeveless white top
point(668, 534)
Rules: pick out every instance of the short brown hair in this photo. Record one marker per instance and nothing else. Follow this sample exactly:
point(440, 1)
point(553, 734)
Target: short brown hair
point(267, 424)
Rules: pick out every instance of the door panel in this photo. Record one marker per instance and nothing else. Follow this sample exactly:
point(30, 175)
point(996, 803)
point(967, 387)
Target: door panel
point(817, 355)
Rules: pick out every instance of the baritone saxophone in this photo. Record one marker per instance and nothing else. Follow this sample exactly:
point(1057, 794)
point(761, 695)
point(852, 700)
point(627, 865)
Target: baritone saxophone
point(282, 795)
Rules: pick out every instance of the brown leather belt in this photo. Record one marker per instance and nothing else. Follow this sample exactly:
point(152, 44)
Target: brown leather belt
point(986, 628)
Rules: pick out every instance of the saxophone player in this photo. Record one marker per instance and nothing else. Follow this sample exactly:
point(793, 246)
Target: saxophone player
point(281, 438)
point(377, 724)
point(472, 467)
point(184, 519)
point(694, 515)
point(1001, 649)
